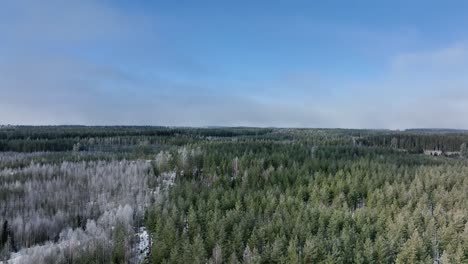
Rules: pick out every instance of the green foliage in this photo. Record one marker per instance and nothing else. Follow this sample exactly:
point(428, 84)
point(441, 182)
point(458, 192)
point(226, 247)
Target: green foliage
point(251, 195)
point(344, 204)
point(120, 246)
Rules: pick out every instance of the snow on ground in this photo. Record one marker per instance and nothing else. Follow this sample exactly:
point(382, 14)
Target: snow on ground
point(169, 178)
point(143, 244)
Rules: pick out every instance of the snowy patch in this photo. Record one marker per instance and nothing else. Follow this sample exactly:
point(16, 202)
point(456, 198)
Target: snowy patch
point(168, 178)
point(143, 244)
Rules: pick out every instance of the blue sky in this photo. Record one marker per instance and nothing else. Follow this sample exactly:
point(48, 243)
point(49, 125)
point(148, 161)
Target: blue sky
point(356, 64)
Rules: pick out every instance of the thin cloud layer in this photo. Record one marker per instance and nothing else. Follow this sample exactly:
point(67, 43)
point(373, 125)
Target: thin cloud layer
point(96, 63)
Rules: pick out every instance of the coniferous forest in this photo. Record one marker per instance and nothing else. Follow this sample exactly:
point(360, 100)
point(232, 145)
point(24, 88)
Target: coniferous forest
point(77, 194)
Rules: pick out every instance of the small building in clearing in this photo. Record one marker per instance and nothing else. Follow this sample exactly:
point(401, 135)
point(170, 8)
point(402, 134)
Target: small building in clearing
point(432, 152)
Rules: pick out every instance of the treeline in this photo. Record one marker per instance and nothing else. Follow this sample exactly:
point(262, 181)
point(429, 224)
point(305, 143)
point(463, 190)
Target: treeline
point(54, 132)
point(69, 138)
point(416, 143)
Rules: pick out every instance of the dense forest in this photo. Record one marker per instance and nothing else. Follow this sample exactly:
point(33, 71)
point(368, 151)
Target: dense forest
point(77, 194)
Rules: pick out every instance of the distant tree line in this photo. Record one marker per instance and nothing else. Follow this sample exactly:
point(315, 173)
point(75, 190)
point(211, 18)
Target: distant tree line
point(416, 143)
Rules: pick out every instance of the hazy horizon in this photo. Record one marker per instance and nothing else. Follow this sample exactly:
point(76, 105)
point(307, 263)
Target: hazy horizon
point(394, 65)
point(240, 126)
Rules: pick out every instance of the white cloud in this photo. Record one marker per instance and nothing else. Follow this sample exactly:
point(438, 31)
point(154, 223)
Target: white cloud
point(424, 89)
point(440, 59)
